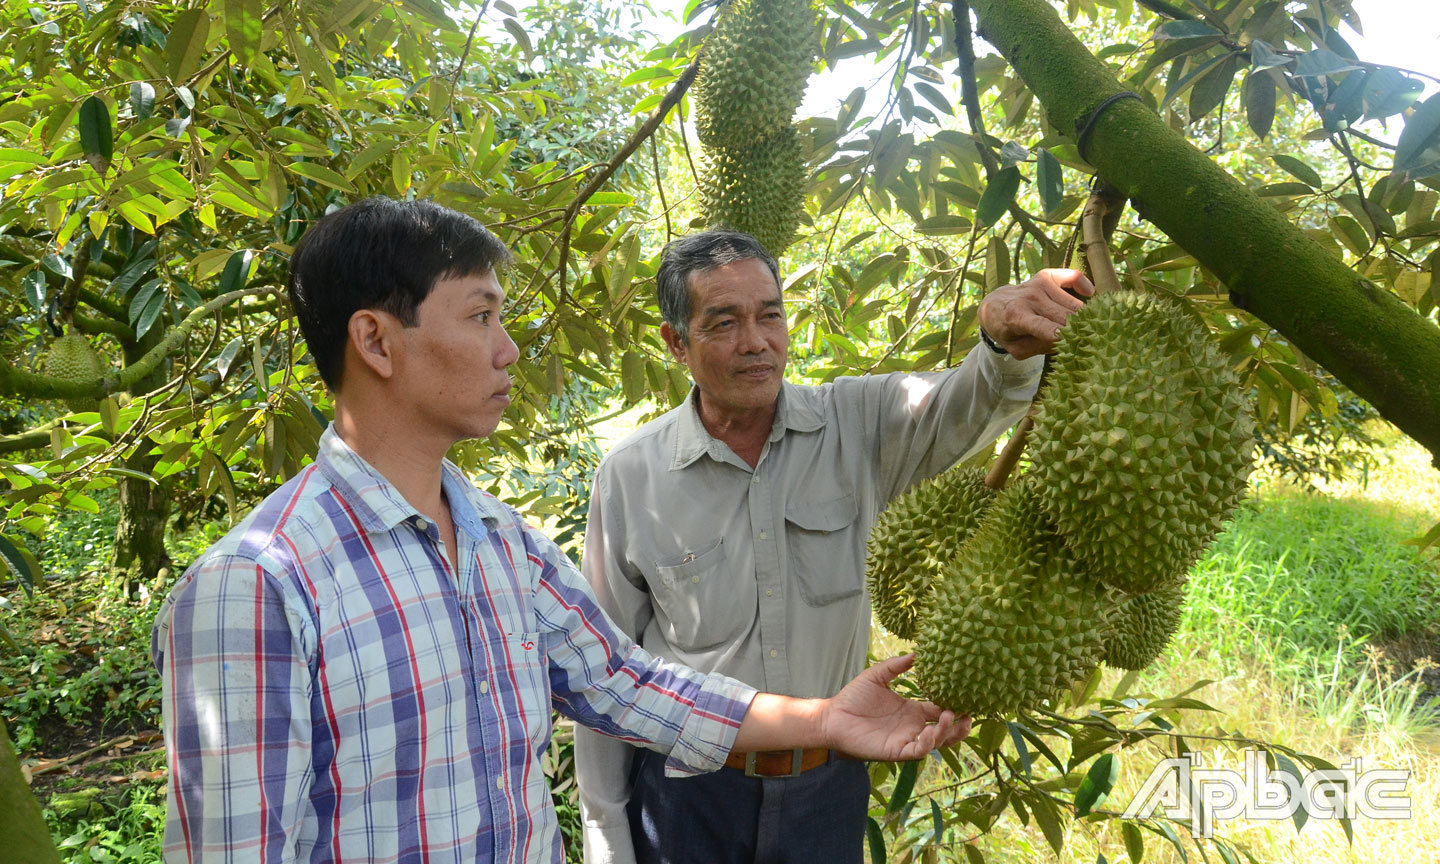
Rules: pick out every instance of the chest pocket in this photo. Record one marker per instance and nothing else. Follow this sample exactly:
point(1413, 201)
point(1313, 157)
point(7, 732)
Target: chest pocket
point(700, 602)
point(822, 548)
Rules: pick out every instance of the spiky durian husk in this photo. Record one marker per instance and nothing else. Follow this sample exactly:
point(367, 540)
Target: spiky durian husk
point(1012, 620)
point(759, 189)
point(753, 71)
point(1143, 440)
point(914, 536)
point(72, 358)
point(1142, 626)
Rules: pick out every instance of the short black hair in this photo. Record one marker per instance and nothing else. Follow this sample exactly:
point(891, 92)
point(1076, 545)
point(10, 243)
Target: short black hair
point(382, 254)
point(698, 253)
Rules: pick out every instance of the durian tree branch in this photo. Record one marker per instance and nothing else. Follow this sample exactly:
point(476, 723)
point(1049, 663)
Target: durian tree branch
point(1365, 336)
point(104, 324)
point(69, 295)
point(31, 439)
point(19, 382)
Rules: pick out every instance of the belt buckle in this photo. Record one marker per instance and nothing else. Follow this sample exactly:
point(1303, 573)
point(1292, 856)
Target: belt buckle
point(797, 757)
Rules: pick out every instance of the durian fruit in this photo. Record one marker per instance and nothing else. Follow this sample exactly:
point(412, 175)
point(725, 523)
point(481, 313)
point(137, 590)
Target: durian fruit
point(753, 71)
point(1142, 626)
point(759, 189)
point(72, 358)
point(1012, 621)
point(1143, 441)
point(915, 536)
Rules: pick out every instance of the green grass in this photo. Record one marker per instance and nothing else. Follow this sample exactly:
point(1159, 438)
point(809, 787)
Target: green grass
point(1294, 576)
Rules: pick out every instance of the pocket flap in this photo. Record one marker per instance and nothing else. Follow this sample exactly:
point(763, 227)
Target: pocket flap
point(832, 515)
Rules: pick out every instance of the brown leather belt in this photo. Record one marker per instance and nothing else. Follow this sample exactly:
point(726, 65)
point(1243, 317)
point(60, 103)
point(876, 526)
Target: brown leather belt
point(777, 763)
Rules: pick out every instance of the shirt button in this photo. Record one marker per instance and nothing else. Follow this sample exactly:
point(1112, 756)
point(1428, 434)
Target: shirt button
point(769, 592)
point(695, 579)
point(484, 686)
point(762, 535)
point(774, 653)
point(422, 523)
point(500, 782)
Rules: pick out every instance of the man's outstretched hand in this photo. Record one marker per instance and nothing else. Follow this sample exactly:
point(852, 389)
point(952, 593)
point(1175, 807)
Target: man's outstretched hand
point(868, 720)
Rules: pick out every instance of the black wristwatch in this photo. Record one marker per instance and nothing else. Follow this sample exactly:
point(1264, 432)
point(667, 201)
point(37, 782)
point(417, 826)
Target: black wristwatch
point(990, 342)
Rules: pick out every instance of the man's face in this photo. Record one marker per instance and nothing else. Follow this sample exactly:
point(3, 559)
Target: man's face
point(456, 358)
point(738, 338)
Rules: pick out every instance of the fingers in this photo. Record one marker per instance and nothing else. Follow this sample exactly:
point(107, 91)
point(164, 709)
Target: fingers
point(892, 668)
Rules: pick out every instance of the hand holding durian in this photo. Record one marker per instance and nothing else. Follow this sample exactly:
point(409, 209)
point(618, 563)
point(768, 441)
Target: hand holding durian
point(1143, 443)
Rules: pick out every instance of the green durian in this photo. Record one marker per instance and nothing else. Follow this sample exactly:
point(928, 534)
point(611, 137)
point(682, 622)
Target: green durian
point(1013, 620)
point(1143, 440)
point(914, 536)
point(72, 358)
point(759, 189)
point(1142, 626)
point(753, 71)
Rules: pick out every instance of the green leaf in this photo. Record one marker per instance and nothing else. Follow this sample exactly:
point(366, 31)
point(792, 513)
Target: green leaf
point(1421, 132)
point(1260, 103)
point(1349, 232)
point(973, 855)
point(1302, 812)
point(243, 20)
point(938, 820)
point(1322, 62)
point(131, 473)
point(632, 376)
point(1210, 90)
point(1020, 748)
point(1262, 56)
point(186, 43)
point(649, 73)
point(1186, 30)
point(1134, 841)
point(237, 271)
point(1388, 92)
point(22, 563)
point(1049, 176)
point(97, 134)
point(1166, 829)
point(934, 97)
point(875, 839)
point(1299, 169)
point(904, 785)
point(1098, 782)
point(322, 175)
point(1048, 818)
point(521, 37)
point(998, 196)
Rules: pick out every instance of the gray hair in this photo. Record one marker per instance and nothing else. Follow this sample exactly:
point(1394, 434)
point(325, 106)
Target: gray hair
point(697, 254)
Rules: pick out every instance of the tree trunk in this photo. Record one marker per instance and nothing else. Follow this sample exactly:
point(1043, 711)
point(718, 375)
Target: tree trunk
point(23, 833)
point(144, 506)
point(1366, 337)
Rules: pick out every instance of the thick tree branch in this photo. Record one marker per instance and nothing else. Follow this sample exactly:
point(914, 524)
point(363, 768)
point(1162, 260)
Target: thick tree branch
point(1365, 336)
point(19, 382)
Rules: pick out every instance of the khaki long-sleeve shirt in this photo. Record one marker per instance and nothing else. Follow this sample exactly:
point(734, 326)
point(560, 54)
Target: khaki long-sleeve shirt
point(760, 573)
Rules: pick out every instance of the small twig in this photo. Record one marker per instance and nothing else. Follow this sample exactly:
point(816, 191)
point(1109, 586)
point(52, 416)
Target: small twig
point(660, 188)
point(122, 742)
point(1097, 251)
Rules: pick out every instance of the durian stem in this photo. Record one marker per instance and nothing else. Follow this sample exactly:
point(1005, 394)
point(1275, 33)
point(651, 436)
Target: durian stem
point(1097, 251)
point(1010, 455)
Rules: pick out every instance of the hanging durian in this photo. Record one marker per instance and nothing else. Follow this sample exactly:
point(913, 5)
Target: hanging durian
point(72, 358)
point(1012, 620)
point(918, 533)
point(759, 189)
point(1143, 440)
point(1142, 626)
point(753, 71)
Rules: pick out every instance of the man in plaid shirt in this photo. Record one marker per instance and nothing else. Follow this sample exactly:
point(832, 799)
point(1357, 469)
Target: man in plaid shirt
point(365, 668)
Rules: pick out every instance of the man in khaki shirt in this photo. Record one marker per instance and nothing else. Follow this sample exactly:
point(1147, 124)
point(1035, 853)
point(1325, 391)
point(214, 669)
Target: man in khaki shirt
point(729, 535)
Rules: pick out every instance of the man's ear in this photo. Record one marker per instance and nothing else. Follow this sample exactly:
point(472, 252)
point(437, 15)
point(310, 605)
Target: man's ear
point(372, 336)
point(677, 346)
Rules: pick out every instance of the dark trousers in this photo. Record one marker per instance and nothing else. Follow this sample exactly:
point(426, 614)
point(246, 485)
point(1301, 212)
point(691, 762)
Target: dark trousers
point(727, 818)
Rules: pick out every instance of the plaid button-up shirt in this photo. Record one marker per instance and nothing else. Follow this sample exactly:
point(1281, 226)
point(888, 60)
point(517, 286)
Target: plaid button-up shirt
point(334, 692)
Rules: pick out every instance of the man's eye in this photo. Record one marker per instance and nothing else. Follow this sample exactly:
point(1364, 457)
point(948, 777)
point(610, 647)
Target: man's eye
point(484, 317)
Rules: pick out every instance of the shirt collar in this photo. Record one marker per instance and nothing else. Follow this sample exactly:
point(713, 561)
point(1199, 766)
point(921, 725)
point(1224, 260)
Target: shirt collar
point(375, 500)
point(796, 410)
